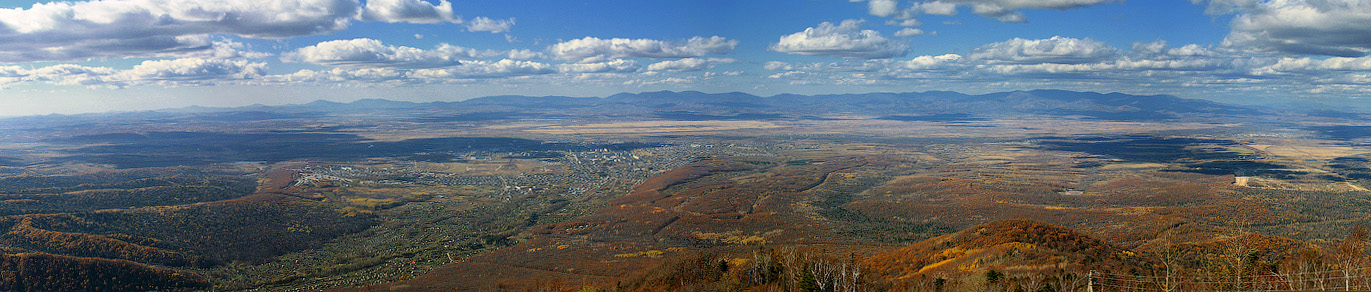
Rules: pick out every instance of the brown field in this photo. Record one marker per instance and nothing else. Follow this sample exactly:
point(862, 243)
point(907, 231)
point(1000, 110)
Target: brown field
point(652, 127)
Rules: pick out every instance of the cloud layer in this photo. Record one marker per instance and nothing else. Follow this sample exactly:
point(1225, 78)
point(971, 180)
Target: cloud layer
point(1060, 50)
point(412, 11)
point(62, 31)
point(845, 40)
point(1316, 27)
point(68, 31)
point(593, 49)
point(1001, 10)
point(372, 53)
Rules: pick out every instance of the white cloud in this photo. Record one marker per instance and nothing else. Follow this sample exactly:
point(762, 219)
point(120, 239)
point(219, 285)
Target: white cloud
point(467, 70)
point(725, 73)
point(664, 81)
point(846, 40)
point(370, 52)
point(1060, 50)
point(905, 23)
point(938, 8)
point(1002, 10)
point(366, 52)
point(525, 54)
point(65, 31)
point(480, 69)
point(881, 8)
point(338, 75)
point(592, 49)
point(228, 49)
point(175, 72)
point(612, 66)
point(1149, 48)
point(687, 64)
point(11, 75)
point(1216, 7)
point(930, 62)
point(60, 31)
point(909, 31)
point(490, 25)
point(412, 11)
point(1317, 27)
point(1310, 65)
point(70, 74)
point(191, 71)
point(1190, 50)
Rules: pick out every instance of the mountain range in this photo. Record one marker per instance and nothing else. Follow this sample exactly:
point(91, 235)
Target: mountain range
point(694, 105)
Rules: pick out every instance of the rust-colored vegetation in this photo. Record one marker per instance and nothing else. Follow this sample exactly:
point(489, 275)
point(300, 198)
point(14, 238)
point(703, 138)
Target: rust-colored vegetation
point(49, 272)
point(92, 245)
point(1016, 245)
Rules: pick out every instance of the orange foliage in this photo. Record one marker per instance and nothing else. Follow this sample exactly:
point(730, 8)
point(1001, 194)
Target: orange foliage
point(93, 245)
point(1051, 245)
point(48, 272)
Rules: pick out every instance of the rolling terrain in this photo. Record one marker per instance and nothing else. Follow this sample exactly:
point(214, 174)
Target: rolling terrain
point(686, 191)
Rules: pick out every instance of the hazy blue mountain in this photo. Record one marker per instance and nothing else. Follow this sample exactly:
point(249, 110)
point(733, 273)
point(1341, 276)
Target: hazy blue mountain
point(695, 105)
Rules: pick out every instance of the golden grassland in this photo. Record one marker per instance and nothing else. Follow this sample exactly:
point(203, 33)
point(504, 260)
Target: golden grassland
point(653, 127)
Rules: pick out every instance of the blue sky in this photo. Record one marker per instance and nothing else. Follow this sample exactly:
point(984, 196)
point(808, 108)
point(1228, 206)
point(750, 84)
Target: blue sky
point(74, 57)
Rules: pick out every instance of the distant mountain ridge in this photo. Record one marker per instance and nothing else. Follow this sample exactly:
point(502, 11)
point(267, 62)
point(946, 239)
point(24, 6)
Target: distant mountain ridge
point(694, 105)
point(1111, 106)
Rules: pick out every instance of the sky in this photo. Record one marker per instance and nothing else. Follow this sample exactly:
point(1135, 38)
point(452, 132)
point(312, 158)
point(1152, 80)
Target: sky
point(124, 55)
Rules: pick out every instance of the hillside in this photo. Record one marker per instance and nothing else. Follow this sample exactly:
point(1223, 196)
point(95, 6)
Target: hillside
point(1011, 246)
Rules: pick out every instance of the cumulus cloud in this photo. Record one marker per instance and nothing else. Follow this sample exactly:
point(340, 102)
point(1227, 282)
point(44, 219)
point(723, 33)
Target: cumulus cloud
point(908, 31)
point(412, 11)
point(452, 51)
point(65, 31)
point(1190, 50)
point(481, 69)
point(612, 66)
point(525, 54)
point(467, 70)
point(228, 49)
point(938, 8)
point(364, 52)
point(905, 23)
point(70, 74)
point(592, 49)
point(1006, 10)
point(1216, 7)
point(845, 40)
point(881, 8)
point(338, 75)
point(1116, 69)
point(1059, 50)
point(1310, 65)
point(370, 52)
point(1322, 27)
point(191, 70)
point(60, 31)
point(174, 72)
point(490, 25)
point(1149, 48)
point(688, 64)
point(1057, 61)
point(930, 62)
point(1002, 10)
